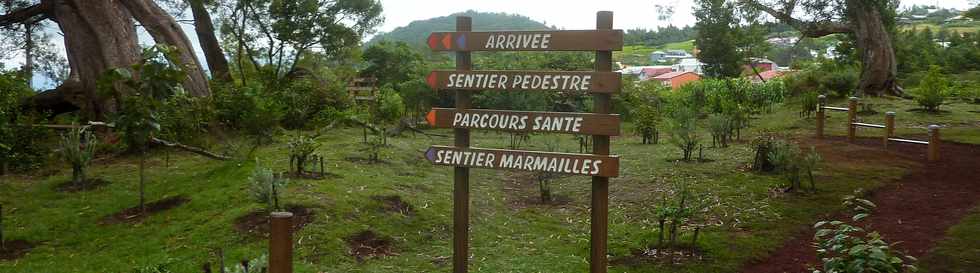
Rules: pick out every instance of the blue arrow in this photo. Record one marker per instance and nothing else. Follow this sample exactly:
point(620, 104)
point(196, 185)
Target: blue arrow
point(431, 154)
point(461, 41)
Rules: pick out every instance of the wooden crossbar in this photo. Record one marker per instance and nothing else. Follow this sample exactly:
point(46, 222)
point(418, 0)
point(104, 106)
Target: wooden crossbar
point(869, 125)
point(908, 141)
point(842, 109)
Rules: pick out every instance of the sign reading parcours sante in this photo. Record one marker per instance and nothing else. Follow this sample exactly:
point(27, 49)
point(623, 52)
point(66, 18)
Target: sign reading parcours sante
point(557, 81)
point(574, 164)
point(539, 122)
point(566, 40)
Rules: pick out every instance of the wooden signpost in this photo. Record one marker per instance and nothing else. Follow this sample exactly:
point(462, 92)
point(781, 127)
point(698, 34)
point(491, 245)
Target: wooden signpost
point(601, 83)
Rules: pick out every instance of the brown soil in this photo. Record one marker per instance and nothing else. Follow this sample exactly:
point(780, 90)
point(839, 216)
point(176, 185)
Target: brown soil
point(914, 211)
point(665, 256)
point(366, 245)
point(394, 204)
point(524, 192)
point(134, 214)
point(256, 223)
point(15, 249)
point(87, 185)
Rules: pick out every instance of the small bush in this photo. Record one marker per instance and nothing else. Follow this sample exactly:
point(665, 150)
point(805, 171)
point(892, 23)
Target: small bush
point(933, 90)
point(78, 148)
point(843, 247)
point(684, 131)
point(720, 127)
point(267, 188)
point(786, 158)
point(301, 147)
point(186, 119)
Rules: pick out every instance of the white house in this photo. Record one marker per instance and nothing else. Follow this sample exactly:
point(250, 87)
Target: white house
point(689, 65)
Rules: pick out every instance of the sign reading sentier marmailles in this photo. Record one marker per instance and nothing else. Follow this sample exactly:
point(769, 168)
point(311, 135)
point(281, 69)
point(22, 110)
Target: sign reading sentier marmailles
point(520, 121)
point(553, 81)
point(573, 164)
point(566, 40)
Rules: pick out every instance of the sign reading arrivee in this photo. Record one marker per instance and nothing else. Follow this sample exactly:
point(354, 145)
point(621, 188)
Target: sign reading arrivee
point(574, 164)
point(538, 122)
point(564, 40)
point(555, 81)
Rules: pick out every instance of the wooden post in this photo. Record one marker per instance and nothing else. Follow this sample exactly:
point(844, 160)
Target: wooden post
point(889, 127)
point(934, 143)
point(852, 105)
point(600, 145)
point(281, 243)
point(461, 177)
point(821, 115)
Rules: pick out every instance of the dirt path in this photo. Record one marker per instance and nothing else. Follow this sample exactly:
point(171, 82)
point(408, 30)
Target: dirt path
point(916, 210)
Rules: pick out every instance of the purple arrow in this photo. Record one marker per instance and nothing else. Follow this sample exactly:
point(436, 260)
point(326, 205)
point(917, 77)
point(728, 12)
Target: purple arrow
point(461, 41)
point(430, 154)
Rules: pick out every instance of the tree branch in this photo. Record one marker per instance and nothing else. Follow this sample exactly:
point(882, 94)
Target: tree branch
point(808, 29)
point(192, 149)
point(23, 15)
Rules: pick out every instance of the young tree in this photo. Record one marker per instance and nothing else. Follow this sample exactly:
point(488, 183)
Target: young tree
point(933, 90)
point(78, 148)
point(717, 38)
point(868, 22)
point(393, 63)
point(684, 130)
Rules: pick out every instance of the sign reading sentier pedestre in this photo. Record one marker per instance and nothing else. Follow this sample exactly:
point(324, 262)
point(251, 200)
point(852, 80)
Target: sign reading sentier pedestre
point(566, 40)
point(538, 122)
point(555, 81)
point(574, 164)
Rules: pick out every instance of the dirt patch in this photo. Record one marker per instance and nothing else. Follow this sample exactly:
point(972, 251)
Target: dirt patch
point(364, 160)
point(311, 175)
point(256, 223)
point(394, 204)
point(664, 256)
point(524, 192)
point(134, 214)
point(367, 245)
point(914, 211)
point(15, 249)
point(87, 185)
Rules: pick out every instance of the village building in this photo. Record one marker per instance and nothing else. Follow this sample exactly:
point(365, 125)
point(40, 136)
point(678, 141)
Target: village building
point(676, 80)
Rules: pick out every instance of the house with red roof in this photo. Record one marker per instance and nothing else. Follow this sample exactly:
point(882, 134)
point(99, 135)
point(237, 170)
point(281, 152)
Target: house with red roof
point(653, 71)
point(677, 79)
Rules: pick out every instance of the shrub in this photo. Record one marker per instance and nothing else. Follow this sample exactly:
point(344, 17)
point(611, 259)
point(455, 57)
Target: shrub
point(720, 128)
point(764, 144)
point(22, 147)
point(78, 148)
point(267, 187)
point(808, 104)
point(684, 131)
point(186, 119)
point(246, 108)
point(786, 158)
point(257, 265)
point(301, 147)
point(933, 90)
point(845, 248)
point(809, 164)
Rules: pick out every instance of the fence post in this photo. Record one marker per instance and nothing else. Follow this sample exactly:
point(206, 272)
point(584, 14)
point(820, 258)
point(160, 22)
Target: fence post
point(934, 143)
point(281, 243)
point(889, 127)
point(852, 105)
point(821, 115)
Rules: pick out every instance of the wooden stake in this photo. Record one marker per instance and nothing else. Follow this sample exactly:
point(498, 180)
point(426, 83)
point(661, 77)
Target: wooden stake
point(600, 185)
point(821, 115)
point(889, 127)
point(934, 143)
point(852, 105)
point(281, 243)
point(461, 177)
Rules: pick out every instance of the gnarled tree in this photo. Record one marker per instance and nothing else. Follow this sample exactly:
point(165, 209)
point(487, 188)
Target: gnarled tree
point(100, 35)
point(867, 21)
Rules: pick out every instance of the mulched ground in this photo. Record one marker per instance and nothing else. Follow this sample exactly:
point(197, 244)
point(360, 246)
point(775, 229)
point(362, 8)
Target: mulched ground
point(134, 214)
point(367, 244)
point(915, 211)
point(256, 223)
point(15, 249)
point(87, 185)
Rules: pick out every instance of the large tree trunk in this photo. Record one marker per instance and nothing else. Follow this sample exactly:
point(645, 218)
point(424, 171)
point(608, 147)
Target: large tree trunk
point(165, 30)
point(99, 35)
point(879, 67)
point(29, 53)
point(213, 53)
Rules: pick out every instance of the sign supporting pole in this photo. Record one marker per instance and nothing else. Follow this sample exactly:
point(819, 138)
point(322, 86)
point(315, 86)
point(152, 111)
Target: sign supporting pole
point(821, 115)
point(600, 185)
point(281, 243)
point(461, 177)
point(934, 142)
point(852, 106)
point(889, 127)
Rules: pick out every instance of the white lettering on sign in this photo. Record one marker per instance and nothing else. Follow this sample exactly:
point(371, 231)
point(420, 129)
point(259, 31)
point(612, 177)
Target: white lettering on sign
point(559, 124)
point(533, 163)
point(528, 82)
point(518, 41)
point(517, 122)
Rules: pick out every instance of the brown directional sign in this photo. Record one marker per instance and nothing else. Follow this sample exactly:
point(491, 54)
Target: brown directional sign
point(594, 82)
point(565, 40)
point(540, 122)
point(574, 164)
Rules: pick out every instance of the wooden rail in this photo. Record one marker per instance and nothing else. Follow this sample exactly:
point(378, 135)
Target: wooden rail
point(889, 127)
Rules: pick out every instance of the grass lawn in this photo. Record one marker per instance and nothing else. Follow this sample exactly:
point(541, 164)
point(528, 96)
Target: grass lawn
point(510, 231)
point(960, 121)
point(958, 253)
point(640, 54)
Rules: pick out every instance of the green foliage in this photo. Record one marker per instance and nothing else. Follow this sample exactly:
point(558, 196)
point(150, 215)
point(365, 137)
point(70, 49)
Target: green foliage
point(257, 265)
point(933, 90)
point(304, 99)
point(786, 158)
point(22, 147)
point(718, 35)
point(808, 104)
point(186, 119)
point(301, 147)
point(390, 107)
point(673, 216)
point(248, 109)
point(840, 81)
point(973, 13)
point(720, 127)
point(645, 108)
point(660, 36)
point(684, 132)
point(845, 248)
point(266, 187)
point(809, 164)
point(78, 149)
point(393, 63)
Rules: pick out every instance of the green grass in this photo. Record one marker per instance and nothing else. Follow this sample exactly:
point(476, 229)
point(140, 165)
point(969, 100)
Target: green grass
point(971, 27)
point(960, 121)
point(958, 253)
point(640, 54)
point(508, 233)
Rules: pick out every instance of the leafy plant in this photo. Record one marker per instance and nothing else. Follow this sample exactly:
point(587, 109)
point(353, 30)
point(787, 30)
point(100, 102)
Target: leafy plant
point(301, 147)
point(78, 148)
point(720, 128)
point(266, 187)
point(674, 215)
point(809, 164)
point(808, 104)
point(786, 157)
point(764, 143)
point(684, 131)
point(933, 90)
point(846, 248)
point(257, 265)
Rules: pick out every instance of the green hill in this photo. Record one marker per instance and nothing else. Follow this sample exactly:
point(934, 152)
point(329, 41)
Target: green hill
point(415, 32)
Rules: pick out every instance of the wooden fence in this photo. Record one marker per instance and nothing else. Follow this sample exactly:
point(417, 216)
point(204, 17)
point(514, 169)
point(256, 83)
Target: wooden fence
point(888, 134)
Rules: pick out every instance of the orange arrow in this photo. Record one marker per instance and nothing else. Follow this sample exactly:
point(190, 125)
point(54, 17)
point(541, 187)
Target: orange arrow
point(431, 80)
point(433, 41)
point(447, 41)
point(431, 118)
